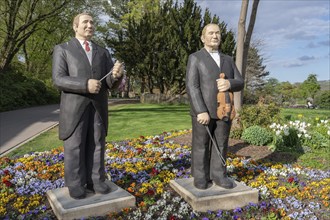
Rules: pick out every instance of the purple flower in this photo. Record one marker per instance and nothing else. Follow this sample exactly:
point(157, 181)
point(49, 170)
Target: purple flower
point(219, 214)
point(263, 205)
point(237, 210)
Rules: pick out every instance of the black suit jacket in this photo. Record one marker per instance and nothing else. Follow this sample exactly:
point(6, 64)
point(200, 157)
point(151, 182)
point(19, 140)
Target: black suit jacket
point(201, 75)
point(71, 70)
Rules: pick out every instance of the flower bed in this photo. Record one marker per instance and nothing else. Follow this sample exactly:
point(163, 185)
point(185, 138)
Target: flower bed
point(144, 167)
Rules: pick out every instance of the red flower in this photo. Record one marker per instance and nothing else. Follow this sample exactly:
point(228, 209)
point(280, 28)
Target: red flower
point(172, 217)
point(7, 183)
point(291, 180)
point(6, 172)
point(154, 172)
point(150, 192)
point(139, 150)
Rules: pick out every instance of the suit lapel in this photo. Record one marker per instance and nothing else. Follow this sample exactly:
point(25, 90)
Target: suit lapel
point(210, 61)
point(95, 50)
point(222, 61)
point(80, 49)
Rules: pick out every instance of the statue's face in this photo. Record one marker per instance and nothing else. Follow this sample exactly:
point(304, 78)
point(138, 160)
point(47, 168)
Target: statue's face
point(85, 27)
point(211, 38)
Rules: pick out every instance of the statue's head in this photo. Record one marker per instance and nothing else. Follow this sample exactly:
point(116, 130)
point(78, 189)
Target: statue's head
point(211, 37)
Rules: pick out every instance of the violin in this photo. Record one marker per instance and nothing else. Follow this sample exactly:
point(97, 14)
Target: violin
point(225, 109)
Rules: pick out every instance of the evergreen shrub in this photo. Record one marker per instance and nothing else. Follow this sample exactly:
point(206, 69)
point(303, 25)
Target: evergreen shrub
point(257, 135)
point(260, 114)
point(18, 91)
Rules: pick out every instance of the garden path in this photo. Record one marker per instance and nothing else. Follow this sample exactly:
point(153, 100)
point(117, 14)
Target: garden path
point(20, 126)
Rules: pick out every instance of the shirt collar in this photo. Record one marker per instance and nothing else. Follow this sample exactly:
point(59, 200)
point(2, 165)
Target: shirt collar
point(82, 42)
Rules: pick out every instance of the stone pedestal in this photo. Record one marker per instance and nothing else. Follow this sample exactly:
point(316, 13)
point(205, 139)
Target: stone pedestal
point(67, 208)
point(215, 198)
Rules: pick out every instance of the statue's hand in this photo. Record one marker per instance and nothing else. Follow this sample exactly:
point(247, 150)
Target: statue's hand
point(223, 85)
point(203, 118)
point(93, 86)
point(118, 69)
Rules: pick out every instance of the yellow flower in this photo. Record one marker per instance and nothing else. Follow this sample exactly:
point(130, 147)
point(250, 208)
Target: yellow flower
point(3, 211)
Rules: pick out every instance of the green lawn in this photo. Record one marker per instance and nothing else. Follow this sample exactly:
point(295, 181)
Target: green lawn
point(300, 113)
point(133, 120)
point(125, 122)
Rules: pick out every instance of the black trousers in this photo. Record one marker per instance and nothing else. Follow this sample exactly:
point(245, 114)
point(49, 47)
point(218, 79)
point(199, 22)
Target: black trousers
point(206, 164)
point(84, 151)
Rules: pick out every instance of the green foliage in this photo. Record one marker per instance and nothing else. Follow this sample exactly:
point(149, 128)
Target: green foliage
point(262, 115)
point(250, 98)
point(312, 116)
point(288, 93)
point(125, 122)
point(236, 133)
point(318, 141)
point(257, 135)
point(301, 136)
point(322, 100)
point(256, 70)
point(318, 135)
point(19, 91)
point(317, 159)
point(310, 87)
point(286, 140)
point(151, 45)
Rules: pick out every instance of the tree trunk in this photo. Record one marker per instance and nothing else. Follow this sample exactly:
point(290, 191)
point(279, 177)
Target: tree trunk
point(243, 44)
point(240, 50)
point(249, 35)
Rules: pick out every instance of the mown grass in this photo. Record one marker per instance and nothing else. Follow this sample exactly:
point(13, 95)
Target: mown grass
point(125, 122)
point(133, 120)
point(299, 113)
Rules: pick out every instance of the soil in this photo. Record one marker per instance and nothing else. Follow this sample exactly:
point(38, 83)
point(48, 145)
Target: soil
point(240, 148)
point(237, 147)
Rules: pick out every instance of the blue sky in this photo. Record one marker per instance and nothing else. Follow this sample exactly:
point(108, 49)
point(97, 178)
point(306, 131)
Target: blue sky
point(295, 35)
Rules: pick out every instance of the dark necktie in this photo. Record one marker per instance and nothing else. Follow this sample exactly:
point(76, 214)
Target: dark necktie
point(87, 48)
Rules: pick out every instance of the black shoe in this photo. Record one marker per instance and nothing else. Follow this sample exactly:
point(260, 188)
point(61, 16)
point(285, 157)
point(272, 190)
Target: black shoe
point(100, 187)
point(203, 186)
point(77, 192)
point(225, 182)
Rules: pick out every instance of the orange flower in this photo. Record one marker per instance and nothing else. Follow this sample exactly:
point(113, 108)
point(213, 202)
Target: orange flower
point(142, 204)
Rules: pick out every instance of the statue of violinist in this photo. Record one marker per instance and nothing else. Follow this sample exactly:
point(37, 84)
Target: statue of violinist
point(211, 79)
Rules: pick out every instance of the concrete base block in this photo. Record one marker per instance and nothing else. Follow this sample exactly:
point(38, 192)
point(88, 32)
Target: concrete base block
point(67, 208)
point(214, 198)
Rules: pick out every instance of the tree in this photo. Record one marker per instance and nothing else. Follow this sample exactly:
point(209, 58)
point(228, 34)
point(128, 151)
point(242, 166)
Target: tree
point(322, 99)
point(37, 50)
point(310, 87)
point(288, 93)
point(20, 20)
point(155, 49)
point(243, 44)
point(255, 70)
